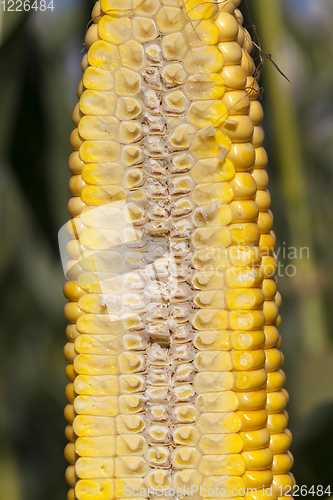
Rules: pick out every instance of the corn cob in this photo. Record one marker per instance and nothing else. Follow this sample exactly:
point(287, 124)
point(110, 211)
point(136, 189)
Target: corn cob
point(174, 367)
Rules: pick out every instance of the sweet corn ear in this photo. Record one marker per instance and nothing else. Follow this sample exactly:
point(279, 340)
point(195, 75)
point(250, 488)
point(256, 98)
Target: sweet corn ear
point(174, 367)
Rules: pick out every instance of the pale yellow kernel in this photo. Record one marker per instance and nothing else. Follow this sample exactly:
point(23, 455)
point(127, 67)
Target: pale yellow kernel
point(205, 113)
point(212, 299)
point(221, 443)
point(210, 319)
point(244, 211)
point(213, 170)
point(174, 46)
point(222, 465)
point(144, 29)
point(186, 478)
point(95, 102)
point(209, 147)
point(131, 54)
point(130, 132)
point(256, 112)
point(130, 467)
point(227, 6)
point(215, 361)
point(90, 344)
point(239, 128)
point(115, 30)
point(102, 173)
point(91, 36)
point(213, 237)
point(91, 489)
point(122, 485)
point(237, 102)
point(100, 446)
point(212, 339)
point(117, 7)
point(173, 75)
point(243, 186)
point(127, 82)
point(99, 324)
point(204, 86)
point(261, 178)
point(212, 215)
point(201, 33)
point(223, 423)
point(234, 77)
point(96, 385)
point(146, 8)
point(204, 60)
point(181, 137)
point(97, 79)
point(129, 423)
point(175, 102)
point(104, 55)
point(170, 19)
point(207, 193)
point(185, 457)
point(104, 151)
point(227, 26)
point(131, 155)
point(94, 468)
point(197, 10)
point(232, 53)
point(247, 63)
point(242, 156)
point(130, 444)
point(98, 128)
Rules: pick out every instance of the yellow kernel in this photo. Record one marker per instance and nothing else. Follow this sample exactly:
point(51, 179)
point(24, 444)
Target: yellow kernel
point(131, 54)
point(144, 29)
point(69, 453)
point(104, 55)
point(239, 128)
point(258, 459)
point(174, 46)
point(282, 463)
point(197, 10)
point(204, 86)
point(170, 19)
point(202, 32)
point(127, 82)
point(242, 156)
point(114, 30)
point(237, 102)
point(97, 79)
point(147, 8)
point(234, 77)
point(204, 60)
point(252, 420)
point(255, 440)
point(232, 53)
point(227, 26)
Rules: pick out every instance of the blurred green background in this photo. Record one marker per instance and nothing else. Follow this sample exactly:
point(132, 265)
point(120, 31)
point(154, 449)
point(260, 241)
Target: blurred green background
point(40, 56)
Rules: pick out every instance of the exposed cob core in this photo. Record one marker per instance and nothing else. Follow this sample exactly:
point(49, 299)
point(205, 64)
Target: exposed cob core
point(174, 361)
